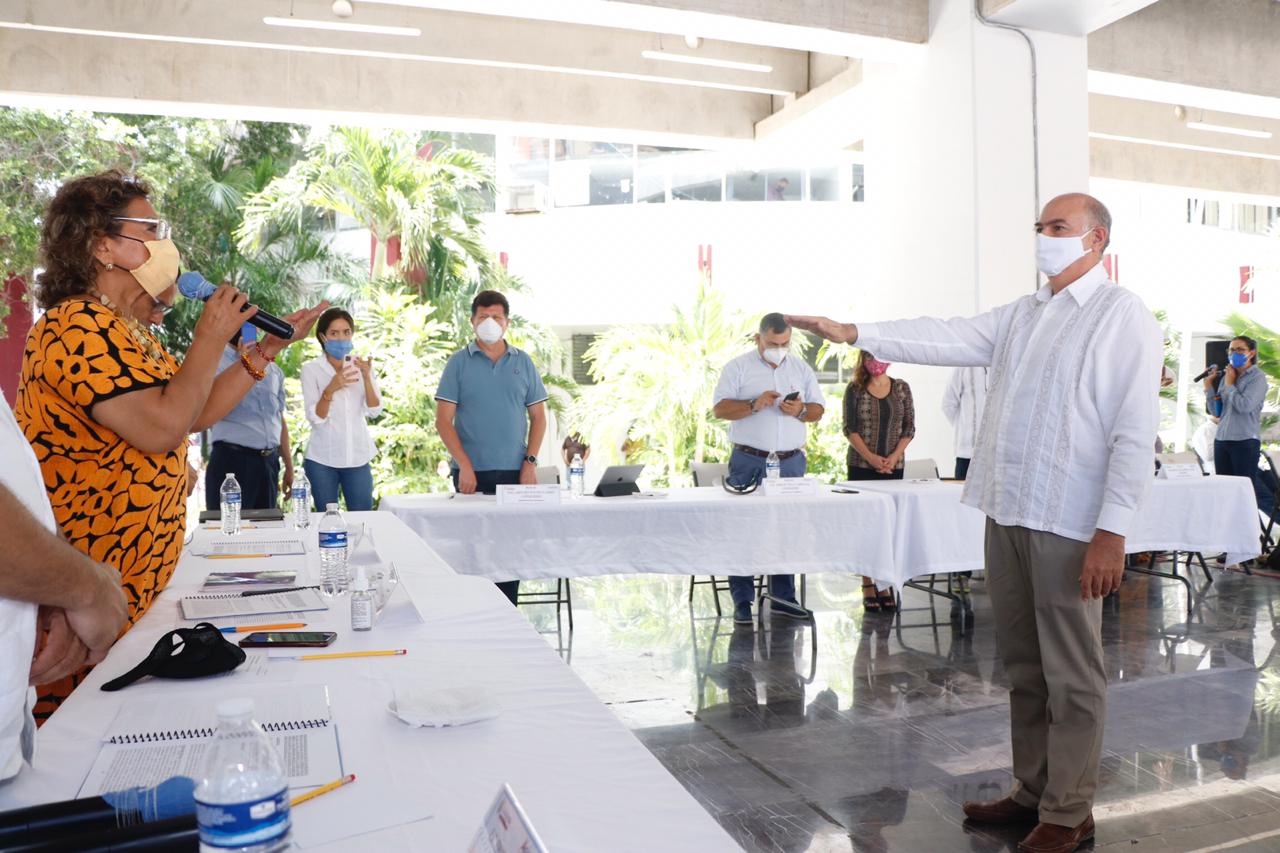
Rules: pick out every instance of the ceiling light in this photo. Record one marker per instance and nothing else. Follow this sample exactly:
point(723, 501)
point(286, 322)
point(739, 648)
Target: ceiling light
point(343, 8)
point(1234, 131)
point(692, 42)
point(664, 56)
point(341, 26)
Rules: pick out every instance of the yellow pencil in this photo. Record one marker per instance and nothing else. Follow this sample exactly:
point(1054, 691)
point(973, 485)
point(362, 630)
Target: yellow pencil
point(323, 789)
point(334, 655)
point(233, 556)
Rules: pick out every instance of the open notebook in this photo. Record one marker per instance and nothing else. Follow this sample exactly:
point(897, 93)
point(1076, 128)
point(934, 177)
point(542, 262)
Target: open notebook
point(156, 737)
point(219, 605)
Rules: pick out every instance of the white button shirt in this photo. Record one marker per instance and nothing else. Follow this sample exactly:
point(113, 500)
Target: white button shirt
point(747, 377)
point(962, 403)
point(20, 474)
point(342, 439)
point(1065, 444)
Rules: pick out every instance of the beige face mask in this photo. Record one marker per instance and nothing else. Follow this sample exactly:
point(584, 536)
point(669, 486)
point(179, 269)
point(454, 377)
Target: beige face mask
point(158, 273)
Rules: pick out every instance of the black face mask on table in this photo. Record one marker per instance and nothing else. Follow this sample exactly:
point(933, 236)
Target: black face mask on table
point(185, 653)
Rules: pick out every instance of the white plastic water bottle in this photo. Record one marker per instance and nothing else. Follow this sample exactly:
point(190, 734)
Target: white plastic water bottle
point(333, 552)
point(242, 796)
point(773, 466)
point(230, 505)
point(577, 476)
point(301, 495)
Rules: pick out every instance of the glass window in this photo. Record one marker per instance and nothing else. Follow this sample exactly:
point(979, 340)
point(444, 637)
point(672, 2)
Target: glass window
point(652, 164)
point(526, 176)
point(859, 183)
point(824, 183)
point(593, 173)
point(696, 176)
point(747, 186)
point(784, 185)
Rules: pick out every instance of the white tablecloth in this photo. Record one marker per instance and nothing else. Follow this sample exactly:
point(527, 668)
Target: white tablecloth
point(935, 533)
point(586, 782)
point(691, 531)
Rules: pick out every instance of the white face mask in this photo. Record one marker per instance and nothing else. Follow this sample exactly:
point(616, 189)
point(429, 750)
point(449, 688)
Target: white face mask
point(775, 355)
point(1055, 254)
point(489, 330)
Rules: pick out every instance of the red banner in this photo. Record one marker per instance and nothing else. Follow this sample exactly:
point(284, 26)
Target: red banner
point(1246, 285)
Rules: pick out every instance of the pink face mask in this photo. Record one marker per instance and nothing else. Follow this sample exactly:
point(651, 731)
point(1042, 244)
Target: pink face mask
point(876, 368)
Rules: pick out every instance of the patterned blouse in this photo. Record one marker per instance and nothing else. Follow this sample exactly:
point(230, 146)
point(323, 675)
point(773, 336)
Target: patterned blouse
point(881, 423)
point(119, 505)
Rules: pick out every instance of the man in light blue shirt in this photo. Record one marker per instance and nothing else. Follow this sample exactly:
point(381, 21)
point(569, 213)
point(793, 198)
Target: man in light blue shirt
point(252, 439)
point(1242, 392)
point(491, 409)
point(768, 395)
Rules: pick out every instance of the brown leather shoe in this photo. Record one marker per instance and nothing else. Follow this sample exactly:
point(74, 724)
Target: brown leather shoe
point(1000, 811)
point(1051, 838)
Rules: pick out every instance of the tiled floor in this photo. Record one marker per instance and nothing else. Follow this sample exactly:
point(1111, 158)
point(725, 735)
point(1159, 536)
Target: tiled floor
point(868, 736)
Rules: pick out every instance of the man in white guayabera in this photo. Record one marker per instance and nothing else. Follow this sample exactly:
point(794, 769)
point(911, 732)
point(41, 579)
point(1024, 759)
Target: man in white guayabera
point(1061, 463)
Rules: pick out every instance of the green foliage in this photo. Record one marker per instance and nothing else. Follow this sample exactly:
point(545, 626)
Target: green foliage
point(378, 178)
point(654, 388)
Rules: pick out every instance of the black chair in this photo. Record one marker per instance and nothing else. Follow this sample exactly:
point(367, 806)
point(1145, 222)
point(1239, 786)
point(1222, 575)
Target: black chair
point(562, 595)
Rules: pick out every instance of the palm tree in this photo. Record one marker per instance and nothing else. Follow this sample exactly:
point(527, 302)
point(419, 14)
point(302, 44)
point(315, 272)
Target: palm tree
point(655, 384)
point(422, 200)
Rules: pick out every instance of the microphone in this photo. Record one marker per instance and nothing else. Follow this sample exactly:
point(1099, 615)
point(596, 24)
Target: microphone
point(1206, 372)
point(195, 286)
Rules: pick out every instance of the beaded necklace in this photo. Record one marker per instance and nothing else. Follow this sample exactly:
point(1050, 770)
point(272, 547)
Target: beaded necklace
point(140, 334)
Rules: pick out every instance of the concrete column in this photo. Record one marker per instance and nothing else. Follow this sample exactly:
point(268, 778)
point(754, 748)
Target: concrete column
point(951, 186)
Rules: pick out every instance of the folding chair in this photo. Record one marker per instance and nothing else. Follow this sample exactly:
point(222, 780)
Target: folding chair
point(549, 475)
point(920, 469)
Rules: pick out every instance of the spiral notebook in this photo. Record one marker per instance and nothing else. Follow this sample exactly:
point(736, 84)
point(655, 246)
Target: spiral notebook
point(154, 738)
point(220, 605)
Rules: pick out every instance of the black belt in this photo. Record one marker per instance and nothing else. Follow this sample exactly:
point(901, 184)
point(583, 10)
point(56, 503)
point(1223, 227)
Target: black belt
point(252, 451)
point(764, 454)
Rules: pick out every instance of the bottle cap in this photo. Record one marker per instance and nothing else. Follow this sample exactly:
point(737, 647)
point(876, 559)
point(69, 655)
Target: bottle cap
point(361, 583)
point(330, 507)
point(240, 707)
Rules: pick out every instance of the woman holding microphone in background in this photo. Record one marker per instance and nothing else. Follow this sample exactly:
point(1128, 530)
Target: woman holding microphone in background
point(340, 393)
point(1242, 392)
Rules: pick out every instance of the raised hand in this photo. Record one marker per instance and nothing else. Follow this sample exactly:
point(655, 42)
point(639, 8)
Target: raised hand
point(841, 333)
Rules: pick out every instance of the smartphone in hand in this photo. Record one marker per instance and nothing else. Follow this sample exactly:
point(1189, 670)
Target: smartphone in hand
point(794, 395)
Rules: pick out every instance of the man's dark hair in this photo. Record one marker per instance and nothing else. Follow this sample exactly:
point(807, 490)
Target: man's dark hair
point(773, 323)
point(1098, 215)
point(488, 299)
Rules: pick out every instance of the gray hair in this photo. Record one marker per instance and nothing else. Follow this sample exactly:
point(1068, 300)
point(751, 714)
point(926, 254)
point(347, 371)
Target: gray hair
point(1098, 215)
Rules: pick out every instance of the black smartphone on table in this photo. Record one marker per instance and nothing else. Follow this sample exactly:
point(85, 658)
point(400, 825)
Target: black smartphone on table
point(286, 639)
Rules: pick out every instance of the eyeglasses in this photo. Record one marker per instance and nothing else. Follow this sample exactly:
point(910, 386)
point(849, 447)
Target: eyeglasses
point(162, 228)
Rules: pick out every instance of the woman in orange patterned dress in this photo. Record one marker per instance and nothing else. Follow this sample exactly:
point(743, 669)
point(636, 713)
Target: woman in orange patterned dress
point(105, 407)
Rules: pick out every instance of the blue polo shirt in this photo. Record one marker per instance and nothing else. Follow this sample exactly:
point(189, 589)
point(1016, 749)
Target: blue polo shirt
point(493, 398)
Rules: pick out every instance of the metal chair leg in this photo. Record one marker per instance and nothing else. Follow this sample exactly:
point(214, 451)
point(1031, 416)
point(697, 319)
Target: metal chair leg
point(568, 601)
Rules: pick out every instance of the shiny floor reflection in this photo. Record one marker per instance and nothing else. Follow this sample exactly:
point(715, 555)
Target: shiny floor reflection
point(867, 735)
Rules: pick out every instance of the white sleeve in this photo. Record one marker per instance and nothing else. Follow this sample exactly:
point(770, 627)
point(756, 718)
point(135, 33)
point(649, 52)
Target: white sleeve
point(312, 388)
point(1129, 408)
point(812, 390)
point(960, 341)
point(727, 386)
point(374, 411)
point(951, 397)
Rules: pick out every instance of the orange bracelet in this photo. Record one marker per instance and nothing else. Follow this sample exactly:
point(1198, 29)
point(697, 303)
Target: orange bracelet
point(258, 375)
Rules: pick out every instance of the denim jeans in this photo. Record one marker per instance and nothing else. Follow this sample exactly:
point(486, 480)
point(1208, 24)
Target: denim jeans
point(1240, 458)
point(741, 468)
point(356, 484)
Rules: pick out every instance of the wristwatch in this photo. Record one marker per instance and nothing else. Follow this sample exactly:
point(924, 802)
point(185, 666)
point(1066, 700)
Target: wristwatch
point(531, 459)
point(804, 411)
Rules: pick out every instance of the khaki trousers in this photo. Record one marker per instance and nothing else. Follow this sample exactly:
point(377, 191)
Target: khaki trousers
point(1051, 644)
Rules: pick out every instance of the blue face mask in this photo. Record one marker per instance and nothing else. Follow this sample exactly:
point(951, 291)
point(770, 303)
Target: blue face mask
point(1239, 360)
point(337, 349)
